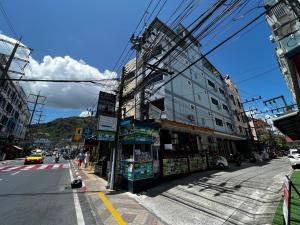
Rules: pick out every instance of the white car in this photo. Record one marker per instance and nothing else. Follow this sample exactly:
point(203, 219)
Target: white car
point(294, 152)
point(295, 161)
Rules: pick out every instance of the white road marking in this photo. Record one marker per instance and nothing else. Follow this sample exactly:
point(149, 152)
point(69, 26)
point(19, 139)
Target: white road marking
point(55, 166)
point(11, 168)
point(15, 173)
point(79, 215)
point(65, 166)
point(42, 167)
point(28, 167)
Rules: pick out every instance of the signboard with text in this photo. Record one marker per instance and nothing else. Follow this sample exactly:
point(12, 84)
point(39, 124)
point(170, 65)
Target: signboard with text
point(106, 104)
point(107, 123)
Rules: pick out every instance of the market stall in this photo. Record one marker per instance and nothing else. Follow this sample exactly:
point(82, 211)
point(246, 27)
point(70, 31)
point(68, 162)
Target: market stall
point(139, 160)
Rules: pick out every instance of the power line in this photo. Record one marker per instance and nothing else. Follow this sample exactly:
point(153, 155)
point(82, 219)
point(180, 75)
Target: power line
point(8, 21)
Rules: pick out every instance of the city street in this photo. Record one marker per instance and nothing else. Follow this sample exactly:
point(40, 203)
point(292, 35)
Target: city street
point(246, 195)
point(40, 194)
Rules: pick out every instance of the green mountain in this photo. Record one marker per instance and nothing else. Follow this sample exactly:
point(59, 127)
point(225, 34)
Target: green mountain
point(62, 128)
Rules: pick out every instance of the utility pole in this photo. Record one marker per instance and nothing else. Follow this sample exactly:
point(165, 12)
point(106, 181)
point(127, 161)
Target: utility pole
point(117, 144)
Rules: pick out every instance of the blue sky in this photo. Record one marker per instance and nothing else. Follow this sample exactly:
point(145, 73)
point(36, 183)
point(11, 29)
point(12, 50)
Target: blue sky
point(96, 32)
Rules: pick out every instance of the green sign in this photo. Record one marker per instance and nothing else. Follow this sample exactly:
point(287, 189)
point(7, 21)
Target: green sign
point(102, 135)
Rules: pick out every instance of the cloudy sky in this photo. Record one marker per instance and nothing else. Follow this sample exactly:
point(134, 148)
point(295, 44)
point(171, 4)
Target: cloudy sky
point(74, 39)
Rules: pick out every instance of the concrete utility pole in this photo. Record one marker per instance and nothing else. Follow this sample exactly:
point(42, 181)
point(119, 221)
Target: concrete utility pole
point(117, 144)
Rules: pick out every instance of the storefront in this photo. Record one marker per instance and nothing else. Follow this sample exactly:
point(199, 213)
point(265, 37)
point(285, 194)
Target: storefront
point(103, 154)
point(139, 158)
point(184, 148)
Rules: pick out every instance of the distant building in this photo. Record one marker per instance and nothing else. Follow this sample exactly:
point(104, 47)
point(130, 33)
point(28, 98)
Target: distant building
point(14, 114)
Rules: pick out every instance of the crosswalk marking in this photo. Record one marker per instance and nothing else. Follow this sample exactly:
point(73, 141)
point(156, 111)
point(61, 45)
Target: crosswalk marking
point(55, 166)
point(34, 167)
point(42, 167)
point(28, 167)
point(12, 168)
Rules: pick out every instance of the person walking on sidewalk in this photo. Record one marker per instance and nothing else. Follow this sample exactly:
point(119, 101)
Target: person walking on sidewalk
point(86, 159)
point(80, 159)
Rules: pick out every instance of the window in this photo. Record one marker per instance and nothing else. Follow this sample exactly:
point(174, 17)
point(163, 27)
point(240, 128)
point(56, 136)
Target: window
point(9, 108)
point(219, 122)
point(229, 125)
point(239, 104)
point(225, 107)
point(189, 82)
point(4, 120)
point(221, 91)
point(232, 98)
point(192, 107)
point(214, 101)
point(241, 130)
point(212, 84)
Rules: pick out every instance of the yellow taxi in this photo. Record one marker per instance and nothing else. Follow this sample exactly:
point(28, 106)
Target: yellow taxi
point(34, 158)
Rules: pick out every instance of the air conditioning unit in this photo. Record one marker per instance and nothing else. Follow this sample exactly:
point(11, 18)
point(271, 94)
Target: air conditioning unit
point(191, 117)
point(285, 71)
point(280, 52)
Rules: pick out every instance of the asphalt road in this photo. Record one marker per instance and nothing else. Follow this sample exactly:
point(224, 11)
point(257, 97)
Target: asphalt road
point(237, 196)
point(40, 195)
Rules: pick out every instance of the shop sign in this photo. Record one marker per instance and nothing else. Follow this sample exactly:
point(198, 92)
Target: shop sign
point(107, 123)
point(87, 133)
point(77, 136)
point(106, 104)
point(105, 135)
point(286, 199)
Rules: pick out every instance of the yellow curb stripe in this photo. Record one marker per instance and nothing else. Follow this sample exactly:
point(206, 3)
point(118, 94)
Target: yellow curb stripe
point(111, 209)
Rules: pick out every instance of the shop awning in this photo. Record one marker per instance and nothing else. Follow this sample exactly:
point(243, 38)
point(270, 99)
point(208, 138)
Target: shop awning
point(289, 125)
point(184, 127)
point(229, 136)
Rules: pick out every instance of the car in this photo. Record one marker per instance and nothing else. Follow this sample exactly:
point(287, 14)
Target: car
point(48, 154)
point(295, 161)
point(34, 159)
point(222, 162)
point(294, 152)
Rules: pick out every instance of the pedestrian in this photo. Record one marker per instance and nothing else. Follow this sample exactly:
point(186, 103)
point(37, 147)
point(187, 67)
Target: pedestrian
point(80, 159)
point(86, 158)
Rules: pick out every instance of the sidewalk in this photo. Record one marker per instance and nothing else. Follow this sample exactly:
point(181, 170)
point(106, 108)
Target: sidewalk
point(115, 207)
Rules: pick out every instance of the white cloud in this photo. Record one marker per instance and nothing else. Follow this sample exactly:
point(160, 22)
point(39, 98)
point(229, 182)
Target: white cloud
point(85, 114)
point(64, 95)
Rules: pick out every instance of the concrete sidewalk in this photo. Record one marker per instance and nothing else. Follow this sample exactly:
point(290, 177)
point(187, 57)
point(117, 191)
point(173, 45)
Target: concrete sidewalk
point(114, 207)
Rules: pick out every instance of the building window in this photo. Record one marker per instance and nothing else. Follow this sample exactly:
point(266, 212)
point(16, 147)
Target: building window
point(219, 122)
point(221, 91)
point(232, 99)
point(214, 101)
point(9, 108)
point(212, 84)
point(189, 82)
point(192, 107)
point(229, 125)
point(239, 104)
point(225, 107)
point(241, 129)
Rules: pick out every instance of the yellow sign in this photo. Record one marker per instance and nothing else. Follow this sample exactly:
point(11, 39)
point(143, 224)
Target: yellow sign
point(78, 131)
point(76, 138)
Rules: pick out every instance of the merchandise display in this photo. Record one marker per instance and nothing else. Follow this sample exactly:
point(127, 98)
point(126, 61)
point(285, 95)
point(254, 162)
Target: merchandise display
point(197, 163)
point(136, 171)
point(175, 166)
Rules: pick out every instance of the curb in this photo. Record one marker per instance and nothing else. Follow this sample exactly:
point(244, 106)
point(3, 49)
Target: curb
point(77, 175)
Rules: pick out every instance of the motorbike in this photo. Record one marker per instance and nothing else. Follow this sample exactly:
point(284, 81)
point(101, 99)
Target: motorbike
point(56, 159)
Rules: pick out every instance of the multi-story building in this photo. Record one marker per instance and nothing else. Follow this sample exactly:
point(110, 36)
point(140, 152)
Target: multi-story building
point(199, 109)
point(284, 21)
point(14, 114)
point(235, 104)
